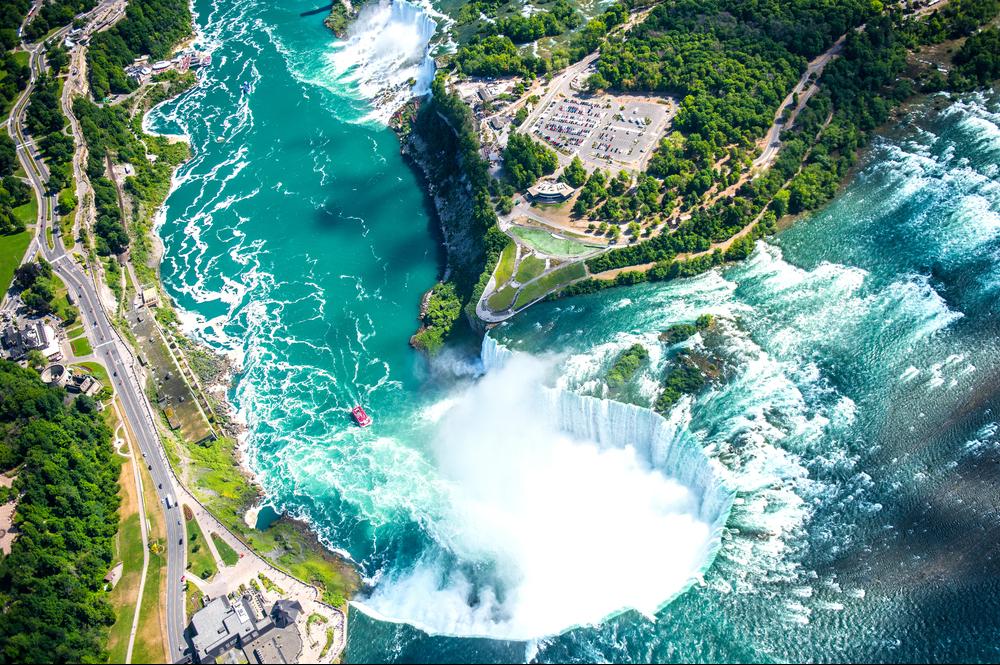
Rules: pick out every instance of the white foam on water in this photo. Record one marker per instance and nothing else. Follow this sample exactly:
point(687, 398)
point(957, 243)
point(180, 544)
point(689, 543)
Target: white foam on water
point(385, 59)
point(545, 490)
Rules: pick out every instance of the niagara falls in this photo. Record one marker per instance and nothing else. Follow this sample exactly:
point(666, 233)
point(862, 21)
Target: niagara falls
point(424, 331)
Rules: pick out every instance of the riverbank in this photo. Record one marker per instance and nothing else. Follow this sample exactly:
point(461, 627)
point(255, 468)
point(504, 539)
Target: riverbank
point(214, 469)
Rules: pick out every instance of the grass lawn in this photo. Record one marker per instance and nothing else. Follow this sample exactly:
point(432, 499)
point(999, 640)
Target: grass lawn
point(505, 267)
point(128, 550)
point(530, 268)
point(150, 641)
point(73, 333)
point(192, 600)
point(502, 299)
point(81, 347)
point(68, 313)
point(200, 559)
point(97, 371)
point(546, 243)
point(228, 554)
point(549, 282)
point(12, 250)
point(222, 488)
point(28, 213)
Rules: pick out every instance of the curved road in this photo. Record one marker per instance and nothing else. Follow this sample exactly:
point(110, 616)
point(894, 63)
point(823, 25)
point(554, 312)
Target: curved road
point(108, 345)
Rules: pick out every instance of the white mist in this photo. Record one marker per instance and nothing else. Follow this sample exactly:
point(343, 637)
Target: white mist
point(545, 528)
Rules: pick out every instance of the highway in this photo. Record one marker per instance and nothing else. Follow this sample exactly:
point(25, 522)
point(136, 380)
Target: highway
point(108, 345)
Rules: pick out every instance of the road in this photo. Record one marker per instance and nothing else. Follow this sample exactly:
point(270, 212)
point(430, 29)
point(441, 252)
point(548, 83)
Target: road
point(805, 90)
point(108, 346)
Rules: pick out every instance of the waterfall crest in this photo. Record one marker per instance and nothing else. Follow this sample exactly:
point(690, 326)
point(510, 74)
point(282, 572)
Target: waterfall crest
point(386, 55)
point(663, 442)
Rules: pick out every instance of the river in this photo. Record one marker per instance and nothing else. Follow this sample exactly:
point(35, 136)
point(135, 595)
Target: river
point(832, 496)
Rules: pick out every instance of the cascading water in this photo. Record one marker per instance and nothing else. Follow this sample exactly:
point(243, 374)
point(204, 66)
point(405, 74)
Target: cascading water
point(545, 486)
point(386, 55)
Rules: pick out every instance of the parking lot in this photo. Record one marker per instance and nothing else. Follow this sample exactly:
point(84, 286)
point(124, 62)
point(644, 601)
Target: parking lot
point(607, 131)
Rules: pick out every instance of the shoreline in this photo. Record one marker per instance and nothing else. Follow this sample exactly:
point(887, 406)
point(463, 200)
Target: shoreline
point(316, 560)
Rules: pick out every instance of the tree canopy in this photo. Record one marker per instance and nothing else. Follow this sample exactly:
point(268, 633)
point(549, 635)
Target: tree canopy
point(525, 161)
point(150, 27)
point(53, 607)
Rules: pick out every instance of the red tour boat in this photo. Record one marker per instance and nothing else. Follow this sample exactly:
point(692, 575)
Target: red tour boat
point(360, 417)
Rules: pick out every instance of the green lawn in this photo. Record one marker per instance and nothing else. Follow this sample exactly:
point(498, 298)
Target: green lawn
point(505, 267)
point(81, 347)
point(502, 299)
point(149, 638)
point(68, 313)
point(530, 268)
point(549, 282)
point(28, 213)
point(128, 544)
point(546, 243)
point(200, 559)
point(97, 371)
point(73, 333)
point(148, 646)
point(12, 250)
point(228, 554)
point(224, 490)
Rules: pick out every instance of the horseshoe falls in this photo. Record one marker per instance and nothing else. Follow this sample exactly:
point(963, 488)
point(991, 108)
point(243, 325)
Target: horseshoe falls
point(832, 495)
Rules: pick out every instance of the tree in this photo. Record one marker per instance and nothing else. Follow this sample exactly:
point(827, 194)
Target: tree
point(525, 161)
point(8, 155)
point(67, 485)
point(37, 360)
point(574, 175)
point(504, 205)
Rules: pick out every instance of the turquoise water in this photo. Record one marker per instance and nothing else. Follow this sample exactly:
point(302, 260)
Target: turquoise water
point(854, 429)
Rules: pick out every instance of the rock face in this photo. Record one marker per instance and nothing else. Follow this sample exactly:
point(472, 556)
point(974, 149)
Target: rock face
point(431, 146)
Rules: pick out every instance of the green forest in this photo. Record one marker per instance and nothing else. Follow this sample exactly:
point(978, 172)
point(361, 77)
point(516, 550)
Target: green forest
point(730, 63)
point(859, 90)
point(14, 192)
point(492, 50)
point(110, 131)
point(12, 13)
point(447, 129)
point(150, 27)
point(54, 607)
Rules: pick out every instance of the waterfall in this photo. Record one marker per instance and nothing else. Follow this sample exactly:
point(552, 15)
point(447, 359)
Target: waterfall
point(664, 443)
point(543, 488)
point(386, 55)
